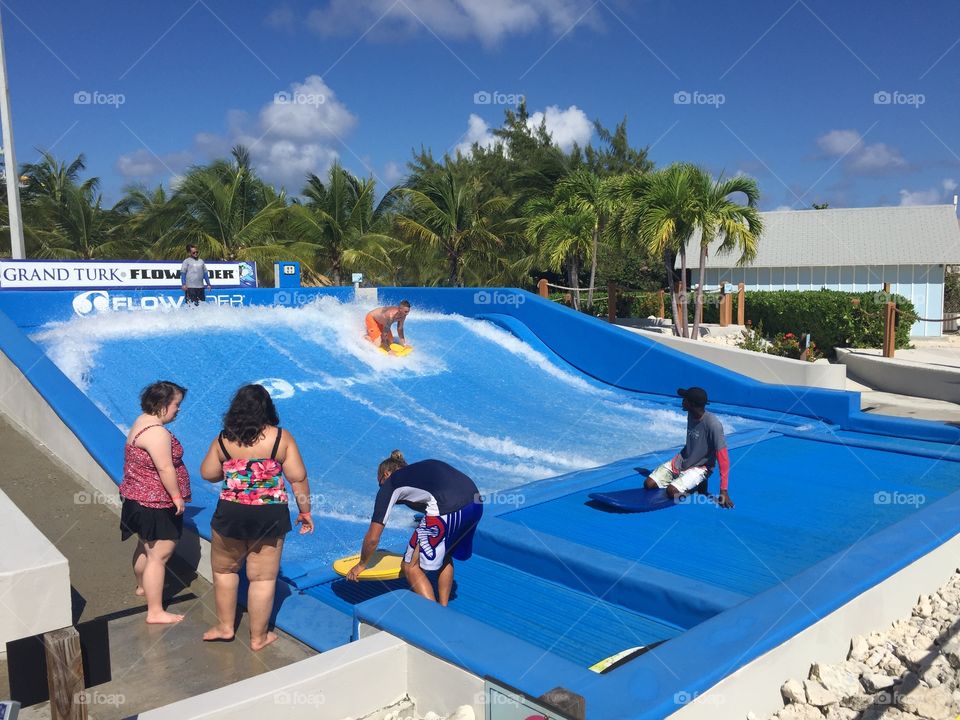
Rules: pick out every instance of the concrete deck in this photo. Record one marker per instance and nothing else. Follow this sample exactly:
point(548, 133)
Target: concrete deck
point(152, 665)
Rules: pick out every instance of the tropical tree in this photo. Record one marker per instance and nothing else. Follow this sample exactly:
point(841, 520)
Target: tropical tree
point(738, 227)
point(64, 215)
point(231, 214)
point(584, 193)
point(656, 210)
point(563, 235)
point(340, 215)
point(452, 217)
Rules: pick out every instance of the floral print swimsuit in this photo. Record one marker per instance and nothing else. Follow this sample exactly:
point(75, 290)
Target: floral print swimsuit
point(253, 500)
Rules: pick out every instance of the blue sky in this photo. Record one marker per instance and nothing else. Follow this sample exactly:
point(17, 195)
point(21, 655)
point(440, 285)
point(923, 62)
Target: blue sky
point(855, 103)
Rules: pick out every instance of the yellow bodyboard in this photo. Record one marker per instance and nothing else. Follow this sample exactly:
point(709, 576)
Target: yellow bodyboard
point(384, 565)
point(397, 349)
point(606, 663)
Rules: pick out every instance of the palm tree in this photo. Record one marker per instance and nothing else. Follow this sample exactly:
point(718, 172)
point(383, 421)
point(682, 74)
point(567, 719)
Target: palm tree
point(451, 216)
point(583, 192)
point(65, 217)
point(231, 214)
point(340, 216)
point(562, 234)
point(657, 210)
point(737, 226)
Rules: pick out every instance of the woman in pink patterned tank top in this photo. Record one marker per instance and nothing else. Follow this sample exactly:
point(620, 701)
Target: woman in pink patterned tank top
point(155, 488)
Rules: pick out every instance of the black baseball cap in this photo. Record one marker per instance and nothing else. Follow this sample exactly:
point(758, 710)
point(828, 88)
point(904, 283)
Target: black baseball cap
point(697, 396)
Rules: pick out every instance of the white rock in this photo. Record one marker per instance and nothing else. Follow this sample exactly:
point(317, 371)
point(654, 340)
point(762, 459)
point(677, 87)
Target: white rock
point(858, 648)
point(891, 665)
point(933, 703)
point(875, 682)
point(875, 657)
point(938, 673)
point(800, 712)
point(792, 692)
point(838, 712)
point(916, 657)
point(839, 679)
point(818, 694)
point(951, 651)
point(464, 712)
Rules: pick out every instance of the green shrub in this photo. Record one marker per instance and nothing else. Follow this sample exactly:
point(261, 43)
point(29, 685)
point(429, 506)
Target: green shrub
point(828, 315)
point(951, 293)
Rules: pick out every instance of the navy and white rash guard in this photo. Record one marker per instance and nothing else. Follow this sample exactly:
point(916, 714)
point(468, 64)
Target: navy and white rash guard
point(428, 486)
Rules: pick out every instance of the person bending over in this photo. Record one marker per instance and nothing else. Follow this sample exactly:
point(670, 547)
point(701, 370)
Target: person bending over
point(380, 319)
point(706, 447)
point(450, 503)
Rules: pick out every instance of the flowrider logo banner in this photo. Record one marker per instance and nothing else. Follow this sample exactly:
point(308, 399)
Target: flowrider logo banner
point(129, 274)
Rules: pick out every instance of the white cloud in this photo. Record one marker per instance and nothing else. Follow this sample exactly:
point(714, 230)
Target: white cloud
point(393, 173)
point(308, 111)
point(281, 18)
point(930, 196)
point(142, 164)
point(566, 127)
point(859, 158)
point(486, 20)
point(477, 132)
point(782, 208)
point(839, 142)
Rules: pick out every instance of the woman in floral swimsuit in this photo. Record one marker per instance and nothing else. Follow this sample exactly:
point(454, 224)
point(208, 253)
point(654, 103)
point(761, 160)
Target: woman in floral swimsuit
point(250, 458)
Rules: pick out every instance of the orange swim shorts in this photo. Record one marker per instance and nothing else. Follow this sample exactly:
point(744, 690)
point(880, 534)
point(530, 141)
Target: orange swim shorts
point(373, 328)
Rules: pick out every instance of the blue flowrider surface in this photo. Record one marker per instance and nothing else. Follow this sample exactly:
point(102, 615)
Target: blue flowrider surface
point(634, 500)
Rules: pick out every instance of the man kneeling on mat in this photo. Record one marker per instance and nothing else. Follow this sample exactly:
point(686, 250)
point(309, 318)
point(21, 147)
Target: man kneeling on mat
point(379, 320)
point(706, 446)
point(451, 507)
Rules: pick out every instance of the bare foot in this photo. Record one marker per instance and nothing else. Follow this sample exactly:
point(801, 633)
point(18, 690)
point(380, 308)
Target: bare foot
point(163, 618)
point(139, 591)
point(217, 632)
point(260, 644)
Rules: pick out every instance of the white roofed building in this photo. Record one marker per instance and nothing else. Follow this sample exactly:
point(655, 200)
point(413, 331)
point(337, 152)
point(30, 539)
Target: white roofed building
point(850, 249)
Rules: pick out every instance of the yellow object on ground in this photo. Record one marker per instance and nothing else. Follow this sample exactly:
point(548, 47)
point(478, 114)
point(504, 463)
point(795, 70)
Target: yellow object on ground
point(384, 565)
point(397, 349)
point(605, 664)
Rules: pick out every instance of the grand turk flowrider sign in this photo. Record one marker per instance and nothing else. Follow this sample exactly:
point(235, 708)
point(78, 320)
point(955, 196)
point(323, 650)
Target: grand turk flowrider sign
point(127, 274)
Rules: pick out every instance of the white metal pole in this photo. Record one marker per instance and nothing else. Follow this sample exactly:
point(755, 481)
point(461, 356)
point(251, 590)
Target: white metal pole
point(10, 160)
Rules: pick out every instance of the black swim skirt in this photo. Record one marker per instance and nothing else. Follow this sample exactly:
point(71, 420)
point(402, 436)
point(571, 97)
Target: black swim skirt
point(149, 523)
point(251, 522)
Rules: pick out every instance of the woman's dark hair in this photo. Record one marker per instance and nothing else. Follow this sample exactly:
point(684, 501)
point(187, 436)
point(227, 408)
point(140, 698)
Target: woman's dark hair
point(155, 398)
point(251, 410)
point(392, 463)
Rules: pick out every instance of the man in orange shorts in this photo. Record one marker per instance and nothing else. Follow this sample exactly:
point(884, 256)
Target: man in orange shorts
point(380, 319)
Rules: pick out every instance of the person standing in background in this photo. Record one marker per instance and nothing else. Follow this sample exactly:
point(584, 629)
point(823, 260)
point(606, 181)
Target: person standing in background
point(194, 277)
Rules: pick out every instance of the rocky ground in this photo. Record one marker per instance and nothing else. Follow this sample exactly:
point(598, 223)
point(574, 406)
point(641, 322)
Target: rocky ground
point(910, 671)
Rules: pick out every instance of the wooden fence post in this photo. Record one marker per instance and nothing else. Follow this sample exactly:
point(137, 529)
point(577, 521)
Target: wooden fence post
point(543, 289)
point(611, 303)
point(741, 304)
point(889, 329)
point(662, 312)
point(65, 674)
